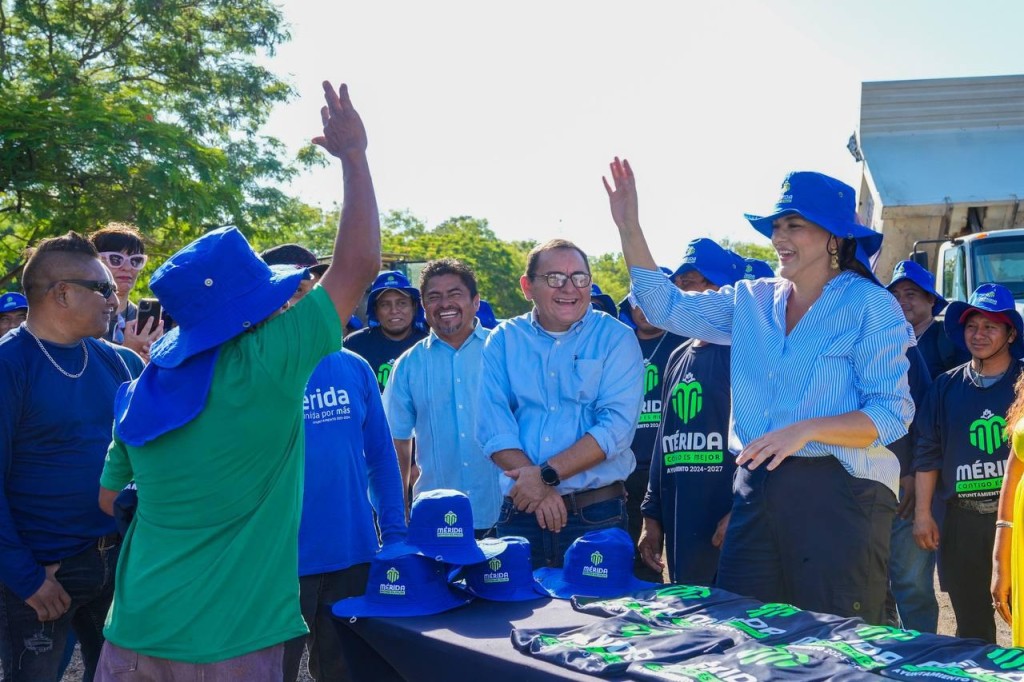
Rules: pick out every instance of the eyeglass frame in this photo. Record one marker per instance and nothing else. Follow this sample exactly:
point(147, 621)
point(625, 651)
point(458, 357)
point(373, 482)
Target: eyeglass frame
point(105, 255)
point(562, 278)
point(94, 285)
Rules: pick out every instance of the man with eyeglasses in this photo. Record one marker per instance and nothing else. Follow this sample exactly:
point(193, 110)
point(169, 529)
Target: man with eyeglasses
point(58, 550)
point(560, 394)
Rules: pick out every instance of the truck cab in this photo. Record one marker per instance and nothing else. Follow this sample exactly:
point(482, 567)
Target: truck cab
point(966, 262)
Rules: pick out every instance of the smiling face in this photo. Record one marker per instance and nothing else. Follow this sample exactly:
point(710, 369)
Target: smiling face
point(395, 310)
point(915, 302)
point(9, 321)
point(987, 339)
point(125, 275)
point(802, 247)
point(449, 307)
point(557, 309)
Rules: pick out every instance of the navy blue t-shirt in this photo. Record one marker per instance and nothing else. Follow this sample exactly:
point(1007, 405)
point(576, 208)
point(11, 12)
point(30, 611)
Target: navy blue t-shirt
point(54, 434)
point(939, 352)
point(690, 485)
point(380, 351)
point(656, 353)
point(960, 431)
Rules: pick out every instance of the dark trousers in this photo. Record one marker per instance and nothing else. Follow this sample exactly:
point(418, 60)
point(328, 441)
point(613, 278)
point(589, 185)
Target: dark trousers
point(31, 651)
point(547, 548)
point(636, 488)
point(316, 595)
point(965, 554)
point(811, 535)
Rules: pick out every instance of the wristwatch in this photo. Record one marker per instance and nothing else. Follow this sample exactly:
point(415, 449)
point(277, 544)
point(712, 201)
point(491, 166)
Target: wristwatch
point(549, 475)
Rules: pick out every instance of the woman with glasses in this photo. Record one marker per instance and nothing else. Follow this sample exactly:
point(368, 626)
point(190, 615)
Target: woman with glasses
point(123, 252)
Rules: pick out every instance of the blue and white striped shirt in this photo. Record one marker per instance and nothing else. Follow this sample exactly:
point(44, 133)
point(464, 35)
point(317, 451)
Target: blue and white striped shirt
point(847, 353)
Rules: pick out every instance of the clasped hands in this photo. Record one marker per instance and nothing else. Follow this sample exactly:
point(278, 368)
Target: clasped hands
point(531, 495)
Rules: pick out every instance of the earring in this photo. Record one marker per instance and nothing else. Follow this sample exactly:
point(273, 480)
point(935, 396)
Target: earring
point(834, 262)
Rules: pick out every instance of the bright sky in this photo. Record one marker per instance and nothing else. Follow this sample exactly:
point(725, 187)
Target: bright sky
point(511, 111)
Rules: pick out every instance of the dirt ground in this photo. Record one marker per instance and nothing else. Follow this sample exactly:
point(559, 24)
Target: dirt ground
point(947, 626)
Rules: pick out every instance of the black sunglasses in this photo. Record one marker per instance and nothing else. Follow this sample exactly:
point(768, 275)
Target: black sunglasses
point(103, 288)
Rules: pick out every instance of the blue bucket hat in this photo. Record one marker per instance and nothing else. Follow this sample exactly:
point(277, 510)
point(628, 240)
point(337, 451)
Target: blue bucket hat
point(507, 576)
point(989, 298)
point(393, 279)
point(910, 271)
point(754, 268)
point(602, 301)
point(215, 289)
point(11, 301)
point(706, 257)
point(598, 564)
point(441, 526)
point(486, 315)
point(403, 585)
point(826, 202)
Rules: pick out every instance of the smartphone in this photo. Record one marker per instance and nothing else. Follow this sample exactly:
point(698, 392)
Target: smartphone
point(149, 309)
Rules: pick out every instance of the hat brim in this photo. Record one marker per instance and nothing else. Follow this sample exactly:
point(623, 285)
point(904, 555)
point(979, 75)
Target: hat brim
point(955, 330)
point(517, 593)
point(459, 556)
point(552, 582)
point(363, 607)
point(235, 317)
point(940, 303)
point(719, 279)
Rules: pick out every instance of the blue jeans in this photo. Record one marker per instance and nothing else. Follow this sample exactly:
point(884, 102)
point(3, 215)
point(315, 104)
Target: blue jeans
point(34, 651)
point(911, 579)
point(548, 548)
point(317, 593)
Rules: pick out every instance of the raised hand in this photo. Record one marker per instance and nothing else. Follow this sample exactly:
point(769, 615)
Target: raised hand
point(622, 194)
point(344, 133)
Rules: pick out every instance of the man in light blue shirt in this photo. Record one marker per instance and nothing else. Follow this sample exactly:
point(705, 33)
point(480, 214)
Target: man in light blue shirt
point(559, 400)
point(432, 394)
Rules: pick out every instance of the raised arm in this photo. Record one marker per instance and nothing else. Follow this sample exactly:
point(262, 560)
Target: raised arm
point(623, 201)
point(356, 257)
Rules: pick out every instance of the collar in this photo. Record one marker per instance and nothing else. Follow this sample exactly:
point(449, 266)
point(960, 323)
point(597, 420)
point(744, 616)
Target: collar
point(479, 331)
point(575, 328)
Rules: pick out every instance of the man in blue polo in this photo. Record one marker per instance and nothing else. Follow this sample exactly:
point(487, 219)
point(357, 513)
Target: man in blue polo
point(560, 395)
point(961, 449)
point(13, 311)
point(432, 394)
point(395, 324)
point(689, 491)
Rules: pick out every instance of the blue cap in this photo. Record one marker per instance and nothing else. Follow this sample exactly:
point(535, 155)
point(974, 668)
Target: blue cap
point(754, 268)
point(598, 564)
point(507, 576)
point(826, 202)
point(441, 526)
point(990, 298)
point(910, 271)
point(602, 301)
point(717, 265)
point(215, 289)
point(486, 315)
point(11, 301)
point(403, 585)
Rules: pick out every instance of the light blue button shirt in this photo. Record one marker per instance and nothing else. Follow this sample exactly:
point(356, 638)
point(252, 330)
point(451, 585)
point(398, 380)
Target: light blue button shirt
point(541, 393)
point(847, 353)
point(432, 395)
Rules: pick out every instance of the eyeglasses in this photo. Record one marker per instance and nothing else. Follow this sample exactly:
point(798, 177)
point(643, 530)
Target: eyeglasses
point(557, 280)
point(116, 259)
point(103, 288)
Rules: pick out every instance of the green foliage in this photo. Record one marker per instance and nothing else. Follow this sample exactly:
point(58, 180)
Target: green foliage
point(763, 252)
point(141, 111)
point(611, 274)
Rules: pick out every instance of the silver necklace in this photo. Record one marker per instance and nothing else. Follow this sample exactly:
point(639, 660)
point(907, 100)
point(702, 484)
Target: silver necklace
point(69, 375)
point(647, 360)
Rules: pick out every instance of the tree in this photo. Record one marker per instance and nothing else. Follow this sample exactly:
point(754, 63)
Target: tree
point(610, 273)
point(143, 111)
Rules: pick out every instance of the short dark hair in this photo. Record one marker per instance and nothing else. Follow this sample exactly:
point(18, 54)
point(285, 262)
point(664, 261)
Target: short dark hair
point(50, 255)
point(448, 266)
point(551, 245)
point(118, 237)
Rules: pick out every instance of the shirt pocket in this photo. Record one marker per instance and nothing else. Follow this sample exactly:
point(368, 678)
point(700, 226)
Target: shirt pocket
point(585, 380)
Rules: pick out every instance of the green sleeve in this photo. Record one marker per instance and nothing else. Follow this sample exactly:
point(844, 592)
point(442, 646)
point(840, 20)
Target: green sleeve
point(117, 468)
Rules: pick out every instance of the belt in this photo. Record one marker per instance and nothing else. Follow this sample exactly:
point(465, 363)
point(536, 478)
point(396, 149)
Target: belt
point(985, 506)
point(108, 541)
point(576, 501)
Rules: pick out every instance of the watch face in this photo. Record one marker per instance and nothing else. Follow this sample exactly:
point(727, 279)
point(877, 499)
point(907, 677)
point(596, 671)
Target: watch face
point(549, 476)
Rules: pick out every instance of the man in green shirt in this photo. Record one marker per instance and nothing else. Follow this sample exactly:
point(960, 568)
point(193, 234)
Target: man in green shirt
point(212, 434)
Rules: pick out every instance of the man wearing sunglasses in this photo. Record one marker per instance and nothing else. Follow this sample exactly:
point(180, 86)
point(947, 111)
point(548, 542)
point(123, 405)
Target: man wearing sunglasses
point(124, 253)
point(560, 395)
point(58, 551)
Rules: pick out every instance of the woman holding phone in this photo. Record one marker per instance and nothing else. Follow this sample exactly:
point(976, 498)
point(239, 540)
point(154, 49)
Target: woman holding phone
point(819, 388)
